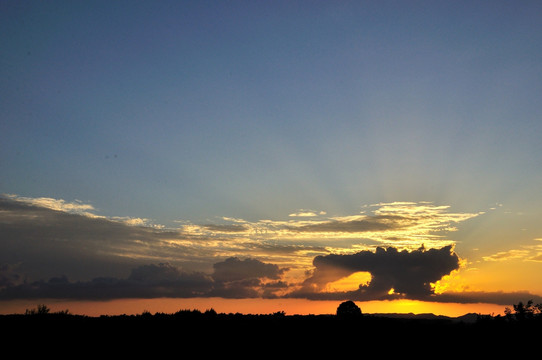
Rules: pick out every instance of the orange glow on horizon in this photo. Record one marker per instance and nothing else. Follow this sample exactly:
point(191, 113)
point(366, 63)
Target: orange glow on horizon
point(246, 306)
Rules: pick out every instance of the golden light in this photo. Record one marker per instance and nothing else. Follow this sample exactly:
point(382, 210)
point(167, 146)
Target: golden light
point(350, 283)
point(452, 282)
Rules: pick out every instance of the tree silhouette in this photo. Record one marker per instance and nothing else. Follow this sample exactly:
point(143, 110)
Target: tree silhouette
point(523, 311)
point(348, 310)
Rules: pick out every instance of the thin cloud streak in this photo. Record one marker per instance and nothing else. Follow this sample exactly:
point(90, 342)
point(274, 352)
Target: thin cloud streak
point(525, 253)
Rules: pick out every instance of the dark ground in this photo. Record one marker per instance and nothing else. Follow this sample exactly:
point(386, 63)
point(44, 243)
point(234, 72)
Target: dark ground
point(210, 335)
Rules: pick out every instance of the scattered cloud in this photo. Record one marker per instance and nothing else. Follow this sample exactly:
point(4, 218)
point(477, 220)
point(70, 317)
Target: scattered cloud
point(402, 245)
point(47, 242)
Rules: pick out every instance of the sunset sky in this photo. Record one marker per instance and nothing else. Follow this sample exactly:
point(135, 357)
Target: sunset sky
point(258, 156)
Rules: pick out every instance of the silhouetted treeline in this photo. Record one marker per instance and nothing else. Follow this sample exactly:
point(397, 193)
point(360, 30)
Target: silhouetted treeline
point(190, 327)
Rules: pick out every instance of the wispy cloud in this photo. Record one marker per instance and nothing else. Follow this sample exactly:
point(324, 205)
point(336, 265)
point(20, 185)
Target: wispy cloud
point(529, 252)
point(77, 206)
point(404, 224)
point(507, 255)
point(307, 213)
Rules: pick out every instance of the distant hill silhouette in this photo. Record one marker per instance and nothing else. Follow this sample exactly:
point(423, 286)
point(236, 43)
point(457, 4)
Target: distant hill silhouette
point(467, 318)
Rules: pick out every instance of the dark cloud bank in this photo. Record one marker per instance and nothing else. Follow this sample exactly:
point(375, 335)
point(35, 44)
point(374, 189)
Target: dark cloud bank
point(408, 273)
point(232, 278)
point(34, 238)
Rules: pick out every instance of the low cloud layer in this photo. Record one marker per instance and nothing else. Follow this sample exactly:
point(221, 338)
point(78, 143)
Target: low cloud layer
point(409, 273)
point(56, 249)
point(232, 278)
point(147, 281)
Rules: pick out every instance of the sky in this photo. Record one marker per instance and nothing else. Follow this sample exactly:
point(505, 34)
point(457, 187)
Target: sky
point(288, 154)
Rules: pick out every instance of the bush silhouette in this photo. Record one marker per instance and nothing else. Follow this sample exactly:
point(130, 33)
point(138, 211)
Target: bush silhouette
point(348, 310)
point(40, 310)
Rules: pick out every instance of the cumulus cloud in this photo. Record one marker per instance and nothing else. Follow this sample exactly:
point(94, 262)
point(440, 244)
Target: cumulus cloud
point(394, 273)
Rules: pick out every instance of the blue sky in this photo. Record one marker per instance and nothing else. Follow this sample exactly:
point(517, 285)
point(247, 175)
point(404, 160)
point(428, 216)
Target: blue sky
point(202, 111)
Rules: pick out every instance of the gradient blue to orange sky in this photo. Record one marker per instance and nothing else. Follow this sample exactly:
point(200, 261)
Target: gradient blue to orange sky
point(258, 156)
